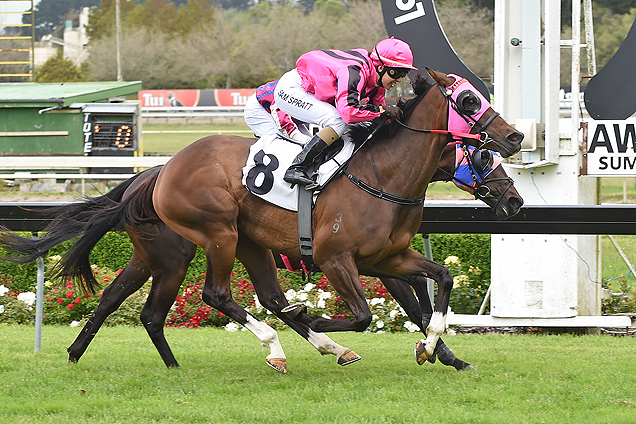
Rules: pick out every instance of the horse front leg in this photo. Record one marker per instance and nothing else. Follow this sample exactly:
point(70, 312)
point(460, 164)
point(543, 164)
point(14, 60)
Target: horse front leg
point(261, 267)
point(410, 262)
point(420, 310)
point(342, 273)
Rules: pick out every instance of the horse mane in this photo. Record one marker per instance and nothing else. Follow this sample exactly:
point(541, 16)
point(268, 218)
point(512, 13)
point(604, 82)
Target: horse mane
point(421, 85)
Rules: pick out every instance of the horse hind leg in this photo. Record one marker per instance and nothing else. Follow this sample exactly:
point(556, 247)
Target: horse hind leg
point(131, 279)
point(261, 267)
point(217, 293)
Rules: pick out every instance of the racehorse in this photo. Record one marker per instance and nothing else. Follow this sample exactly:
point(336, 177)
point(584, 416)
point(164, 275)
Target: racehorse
point(165, 255)
point(238, 210)
point(199, 195)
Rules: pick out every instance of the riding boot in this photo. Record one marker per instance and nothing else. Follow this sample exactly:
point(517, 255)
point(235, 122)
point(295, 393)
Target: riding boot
point(297, 172)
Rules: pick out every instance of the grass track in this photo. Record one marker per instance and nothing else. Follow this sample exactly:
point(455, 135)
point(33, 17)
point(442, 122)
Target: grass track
point(224, 379)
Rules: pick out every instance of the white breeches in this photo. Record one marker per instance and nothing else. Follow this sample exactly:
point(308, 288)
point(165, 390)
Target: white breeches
point(291, 98)
point(258, 119)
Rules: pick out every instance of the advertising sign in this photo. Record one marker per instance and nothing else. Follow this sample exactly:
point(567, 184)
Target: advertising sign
point(191, 98)
point(609, 148)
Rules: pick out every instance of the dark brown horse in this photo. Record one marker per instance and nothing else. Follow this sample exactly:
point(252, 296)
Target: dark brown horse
point(199, 195)
point(255, 257)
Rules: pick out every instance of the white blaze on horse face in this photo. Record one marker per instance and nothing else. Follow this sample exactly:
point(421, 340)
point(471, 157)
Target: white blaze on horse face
point(324, 344)
point(435, 329)
point(267, 335)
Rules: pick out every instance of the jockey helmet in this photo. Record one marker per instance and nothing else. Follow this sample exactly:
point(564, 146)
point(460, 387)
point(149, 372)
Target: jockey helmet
point(393, 53)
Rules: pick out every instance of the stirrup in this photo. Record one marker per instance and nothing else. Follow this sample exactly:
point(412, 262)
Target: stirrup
point(297, 176)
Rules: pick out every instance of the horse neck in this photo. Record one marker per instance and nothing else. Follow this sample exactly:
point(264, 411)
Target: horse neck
point(407, 160)
point(447, 164)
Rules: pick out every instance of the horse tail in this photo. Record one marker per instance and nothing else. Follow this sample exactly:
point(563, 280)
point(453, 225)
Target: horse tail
point(91, 218)
point(135, 209)
point(68, 221)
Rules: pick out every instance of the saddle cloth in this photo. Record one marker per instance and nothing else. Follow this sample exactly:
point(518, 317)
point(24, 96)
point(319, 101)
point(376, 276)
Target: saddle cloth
point(267, 162)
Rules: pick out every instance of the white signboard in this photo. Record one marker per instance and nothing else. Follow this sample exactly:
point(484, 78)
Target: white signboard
point(610, 148)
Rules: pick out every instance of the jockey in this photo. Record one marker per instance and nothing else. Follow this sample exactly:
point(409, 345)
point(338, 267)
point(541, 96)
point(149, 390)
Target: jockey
point(264, 118)
point(328, 88)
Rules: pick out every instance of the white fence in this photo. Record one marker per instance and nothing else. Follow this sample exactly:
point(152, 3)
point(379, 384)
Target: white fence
point(79, 163)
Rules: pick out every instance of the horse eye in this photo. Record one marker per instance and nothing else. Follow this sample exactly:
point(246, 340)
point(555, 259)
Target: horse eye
point(470, 104)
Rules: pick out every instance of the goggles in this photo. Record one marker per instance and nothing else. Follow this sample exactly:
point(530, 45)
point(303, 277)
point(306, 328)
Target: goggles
point(397, 73)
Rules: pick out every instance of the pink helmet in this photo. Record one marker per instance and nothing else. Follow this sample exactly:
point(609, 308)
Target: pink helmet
point(393, 53)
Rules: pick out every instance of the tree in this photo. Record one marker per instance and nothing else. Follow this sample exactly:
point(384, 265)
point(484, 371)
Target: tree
point(58, 69)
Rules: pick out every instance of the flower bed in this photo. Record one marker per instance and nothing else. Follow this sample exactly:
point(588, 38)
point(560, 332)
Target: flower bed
point(65, 305)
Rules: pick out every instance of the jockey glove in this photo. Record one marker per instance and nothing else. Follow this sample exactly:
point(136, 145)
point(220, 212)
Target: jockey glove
point(393, 112)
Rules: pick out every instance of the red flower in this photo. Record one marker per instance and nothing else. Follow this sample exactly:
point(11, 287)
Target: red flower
point(106, 278)
point(60, 301)
point(70, 294)
point(118, 271)
point(70, 306)
point(77, 301)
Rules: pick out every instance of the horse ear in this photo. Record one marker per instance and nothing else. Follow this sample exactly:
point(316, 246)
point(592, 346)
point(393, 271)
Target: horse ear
point(439, 77)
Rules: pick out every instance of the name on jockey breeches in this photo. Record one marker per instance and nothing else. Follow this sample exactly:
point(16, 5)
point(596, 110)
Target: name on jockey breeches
point(294, 101)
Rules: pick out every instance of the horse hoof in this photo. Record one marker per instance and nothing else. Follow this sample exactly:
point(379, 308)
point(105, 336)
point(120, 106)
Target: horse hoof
point(348, 357)
point(293, 310)
point(279, 364)
point(421, 355)
point(468, 368)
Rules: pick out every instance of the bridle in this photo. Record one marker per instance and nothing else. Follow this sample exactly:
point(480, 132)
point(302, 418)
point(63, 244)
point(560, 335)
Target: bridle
point(480, 176)
point(477, 132)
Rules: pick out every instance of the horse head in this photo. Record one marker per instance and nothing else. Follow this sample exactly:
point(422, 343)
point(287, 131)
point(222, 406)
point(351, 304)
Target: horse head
point(470, 112)
point(479, 172)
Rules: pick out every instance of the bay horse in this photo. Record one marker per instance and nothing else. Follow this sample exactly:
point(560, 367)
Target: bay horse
point(165, 255)
point(199, 195)
point(509, 136)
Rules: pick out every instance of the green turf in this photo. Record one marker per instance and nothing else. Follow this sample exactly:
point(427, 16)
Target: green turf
point(224, 379)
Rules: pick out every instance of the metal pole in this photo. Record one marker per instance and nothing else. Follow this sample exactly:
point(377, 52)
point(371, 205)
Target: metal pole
point(428, 252)
point(118, 39)
point(39, 301)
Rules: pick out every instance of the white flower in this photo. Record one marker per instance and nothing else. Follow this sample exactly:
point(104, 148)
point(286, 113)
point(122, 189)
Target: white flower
point(454, 260)
point(377, 301)
point(232, 326)
point(325, 316)
point(394, 313)
point(1, 309)
point(379, 324)
point(374, 318)
point(308, 287)
point(321, 304)
point(27, 297)
point(3, 290)
point(290, 295)
point(323, 295)
point(411, 327)
point(55, 258)
point(75, 324)
point(302, 296)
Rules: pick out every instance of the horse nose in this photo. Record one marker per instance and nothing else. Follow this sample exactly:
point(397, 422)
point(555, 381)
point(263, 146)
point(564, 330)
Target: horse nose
point(515, 204)
point(515, 137)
